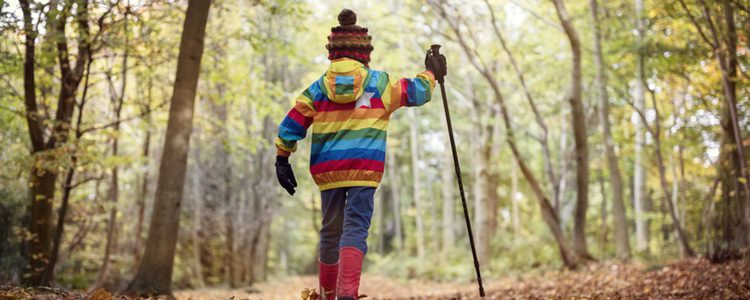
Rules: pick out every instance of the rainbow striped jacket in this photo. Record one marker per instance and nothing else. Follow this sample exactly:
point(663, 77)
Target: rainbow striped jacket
point(348, 108)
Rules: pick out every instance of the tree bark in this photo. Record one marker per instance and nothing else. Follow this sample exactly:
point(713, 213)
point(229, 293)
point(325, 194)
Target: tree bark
point(579, 132)
point(155, 273)
point(622, 239)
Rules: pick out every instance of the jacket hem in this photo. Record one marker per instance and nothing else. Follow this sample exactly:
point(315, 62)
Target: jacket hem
point(344, 184)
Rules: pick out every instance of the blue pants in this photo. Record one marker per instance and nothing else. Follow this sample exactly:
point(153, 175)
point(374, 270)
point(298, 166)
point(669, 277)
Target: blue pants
point(346, 220)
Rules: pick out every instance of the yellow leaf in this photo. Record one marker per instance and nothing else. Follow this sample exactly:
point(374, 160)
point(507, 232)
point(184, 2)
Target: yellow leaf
point(101, 294)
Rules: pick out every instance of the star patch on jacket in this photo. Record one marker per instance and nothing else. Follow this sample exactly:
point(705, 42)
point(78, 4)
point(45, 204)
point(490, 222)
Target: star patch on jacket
point(364, 100)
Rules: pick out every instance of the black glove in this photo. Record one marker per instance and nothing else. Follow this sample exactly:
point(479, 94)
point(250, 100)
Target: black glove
point(435, 63)
point(285, 175)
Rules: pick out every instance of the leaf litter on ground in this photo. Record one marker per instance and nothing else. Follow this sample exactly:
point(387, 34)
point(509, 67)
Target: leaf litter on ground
point(694, 278)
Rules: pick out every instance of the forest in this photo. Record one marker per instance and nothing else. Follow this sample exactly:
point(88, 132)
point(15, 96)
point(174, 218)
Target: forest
point(603, 148)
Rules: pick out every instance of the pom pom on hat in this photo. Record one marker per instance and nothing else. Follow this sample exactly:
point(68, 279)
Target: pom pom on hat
point(347, 17)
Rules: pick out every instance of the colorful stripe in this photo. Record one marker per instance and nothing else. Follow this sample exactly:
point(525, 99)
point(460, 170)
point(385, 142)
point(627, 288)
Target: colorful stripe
point(347, 164)
point(364, 143)
point(347, 154)
point(328, 127)
point(352, 114)
point(372, 133)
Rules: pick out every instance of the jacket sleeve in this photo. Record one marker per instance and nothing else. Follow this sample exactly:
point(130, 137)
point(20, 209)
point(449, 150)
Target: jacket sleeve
point(294, 126)
point(409, 91)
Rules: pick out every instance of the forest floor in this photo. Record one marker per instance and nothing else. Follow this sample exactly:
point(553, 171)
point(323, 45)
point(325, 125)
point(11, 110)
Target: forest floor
point(684, 279)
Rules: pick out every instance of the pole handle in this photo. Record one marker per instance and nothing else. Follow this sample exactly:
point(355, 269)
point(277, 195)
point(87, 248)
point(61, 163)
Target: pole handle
point(435, 49)
point(438, 60)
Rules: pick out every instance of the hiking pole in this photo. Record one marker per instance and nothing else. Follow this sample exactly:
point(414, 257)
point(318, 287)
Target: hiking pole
point(434, 54)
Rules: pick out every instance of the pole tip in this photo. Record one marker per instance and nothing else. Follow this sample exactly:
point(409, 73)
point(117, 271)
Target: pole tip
point(481, 292)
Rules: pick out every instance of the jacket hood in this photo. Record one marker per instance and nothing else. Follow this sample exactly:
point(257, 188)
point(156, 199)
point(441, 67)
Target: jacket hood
point(345, 80)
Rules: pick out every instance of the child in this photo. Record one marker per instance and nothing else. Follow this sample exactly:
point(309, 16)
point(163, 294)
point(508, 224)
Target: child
point(348, 107)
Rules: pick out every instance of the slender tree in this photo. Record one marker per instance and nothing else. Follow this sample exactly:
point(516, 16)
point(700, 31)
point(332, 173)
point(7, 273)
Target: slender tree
point(622, 239)
point(639, 171)
point(154, 276)
point(579, 132)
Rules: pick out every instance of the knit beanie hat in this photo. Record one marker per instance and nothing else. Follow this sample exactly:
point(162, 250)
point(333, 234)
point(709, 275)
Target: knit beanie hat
point(349, 40)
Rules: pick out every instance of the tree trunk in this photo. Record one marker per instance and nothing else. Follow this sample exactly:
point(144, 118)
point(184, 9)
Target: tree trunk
point(639, 172)
point(416, 191)
point(622, 239)
point(579, 133)
point(40, 219)
point(155, 273)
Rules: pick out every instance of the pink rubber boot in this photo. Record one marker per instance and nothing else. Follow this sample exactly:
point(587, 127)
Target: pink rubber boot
point(350, 269)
